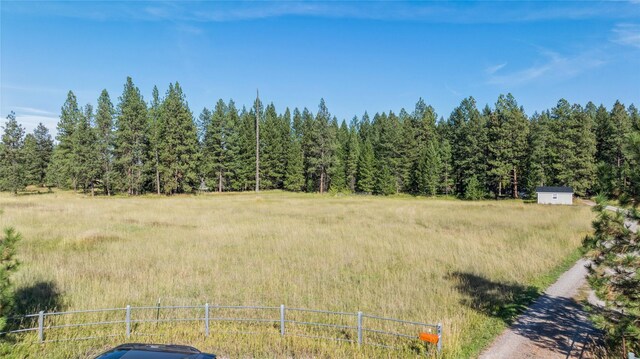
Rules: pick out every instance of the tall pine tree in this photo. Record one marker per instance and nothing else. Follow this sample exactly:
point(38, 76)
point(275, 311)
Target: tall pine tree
point(214, 147)
point(87, 159)
point(63, 173)
point(31, 160)
point(155, 140)
point(366, 168)
point(352, 153)
point(131, 140)
point(538, 154)
point(12, 169)
point(44, 149)
point(104, 139)
point(179, 150)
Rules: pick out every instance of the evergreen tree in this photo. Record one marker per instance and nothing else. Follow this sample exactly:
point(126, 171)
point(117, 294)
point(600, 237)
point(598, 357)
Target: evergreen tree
point(469, 131)
point(497, 151)
point(446, 173)
point(37, 155)
point(516, 126)
point(366, 167)
point(12, 169)
point(613, 273)
point(284, 135)
point(245, 162)
point(131, 140)
point(294, 176)
point(384, 180)
point(155, 140)
point(387, 149)
point(31, 160)
point(634, 115)
point(274, 139)
point(87, 159)
point(631, 194)
point(560, 145)
point(352, 153)
point(63, 172)
point(572, 148)
point(8, 265)
point(424, 133)
point(297, 124)
point(431, 168)
point(538, 155)
point(321, 148)
point(179, 150)
point(581, 164)
point(206, 159)
point(104, 139)
point(605, 151)
point(214, 146)
point(408, 151)
point(621, 129)
point(365, 129)
point(473, 189)
point(336, 172)
point(233, 146)
point(308, 137)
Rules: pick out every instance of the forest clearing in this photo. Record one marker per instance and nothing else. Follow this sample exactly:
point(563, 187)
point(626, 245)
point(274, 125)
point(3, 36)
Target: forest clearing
point(468, 265)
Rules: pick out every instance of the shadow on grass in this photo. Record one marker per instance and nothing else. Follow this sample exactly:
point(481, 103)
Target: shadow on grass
point(556, 324)
point(43, 296)
point(499, 300)
point(40, 296)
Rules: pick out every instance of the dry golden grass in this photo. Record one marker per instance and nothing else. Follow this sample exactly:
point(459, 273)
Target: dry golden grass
point(392, 257)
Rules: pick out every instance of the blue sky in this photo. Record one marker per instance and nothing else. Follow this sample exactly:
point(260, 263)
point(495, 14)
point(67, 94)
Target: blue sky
point(374, 56)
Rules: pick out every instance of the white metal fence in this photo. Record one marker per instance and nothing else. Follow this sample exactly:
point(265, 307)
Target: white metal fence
point(359, 328)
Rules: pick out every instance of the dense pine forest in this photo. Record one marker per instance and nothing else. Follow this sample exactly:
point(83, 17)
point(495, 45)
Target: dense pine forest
point(158, 146)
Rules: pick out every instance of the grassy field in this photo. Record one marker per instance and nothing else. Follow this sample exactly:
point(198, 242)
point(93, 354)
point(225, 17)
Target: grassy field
point(468, 265)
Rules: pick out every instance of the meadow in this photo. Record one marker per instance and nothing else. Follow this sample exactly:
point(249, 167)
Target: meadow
point(469, 265)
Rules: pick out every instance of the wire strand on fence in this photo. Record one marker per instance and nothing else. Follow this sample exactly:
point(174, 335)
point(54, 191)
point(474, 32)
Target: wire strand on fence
point(294, 319)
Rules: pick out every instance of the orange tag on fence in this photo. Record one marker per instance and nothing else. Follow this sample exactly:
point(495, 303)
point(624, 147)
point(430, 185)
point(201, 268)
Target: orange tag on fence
point(428, 337)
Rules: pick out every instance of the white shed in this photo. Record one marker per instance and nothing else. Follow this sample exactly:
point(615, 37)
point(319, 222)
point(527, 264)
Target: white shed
point(555, 195)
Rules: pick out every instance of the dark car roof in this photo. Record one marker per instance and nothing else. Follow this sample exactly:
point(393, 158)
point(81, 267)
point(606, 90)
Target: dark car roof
point(554, 189)
point(154, 351)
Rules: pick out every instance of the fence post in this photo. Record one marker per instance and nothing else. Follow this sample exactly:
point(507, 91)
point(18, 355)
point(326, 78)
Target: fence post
point(41, 326)
point(359, 328)
point(282, 320)
point(158, 312)
point(206, 319)
point(439, 329)
point(128, 321)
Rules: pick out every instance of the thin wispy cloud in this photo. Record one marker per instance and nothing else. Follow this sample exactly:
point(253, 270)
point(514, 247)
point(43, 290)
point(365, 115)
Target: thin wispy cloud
point(30, 117)
point(30, 122)
point(495, 68)
point(34, 111)
point(189, 29)
point(627, 34)
point(437, 12)
point(32, 89)
point(554, 67)
point(486, 12)
point(452, 91)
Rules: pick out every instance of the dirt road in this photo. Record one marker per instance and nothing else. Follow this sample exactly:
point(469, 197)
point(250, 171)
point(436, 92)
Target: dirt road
point(554, 326)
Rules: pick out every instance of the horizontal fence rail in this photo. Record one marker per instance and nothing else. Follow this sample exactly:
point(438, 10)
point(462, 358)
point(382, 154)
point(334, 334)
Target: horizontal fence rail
point(358, 328)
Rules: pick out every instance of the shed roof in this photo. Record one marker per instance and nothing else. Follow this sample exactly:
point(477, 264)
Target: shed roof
point(554, 189)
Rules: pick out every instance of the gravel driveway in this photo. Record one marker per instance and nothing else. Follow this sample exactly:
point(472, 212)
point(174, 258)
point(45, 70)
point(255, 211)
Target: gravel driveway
point(555, 325)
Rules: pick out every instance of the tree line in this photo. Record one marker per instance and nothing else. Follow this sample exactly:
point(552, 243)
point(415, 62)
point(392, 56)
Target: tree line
point(138, 147)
